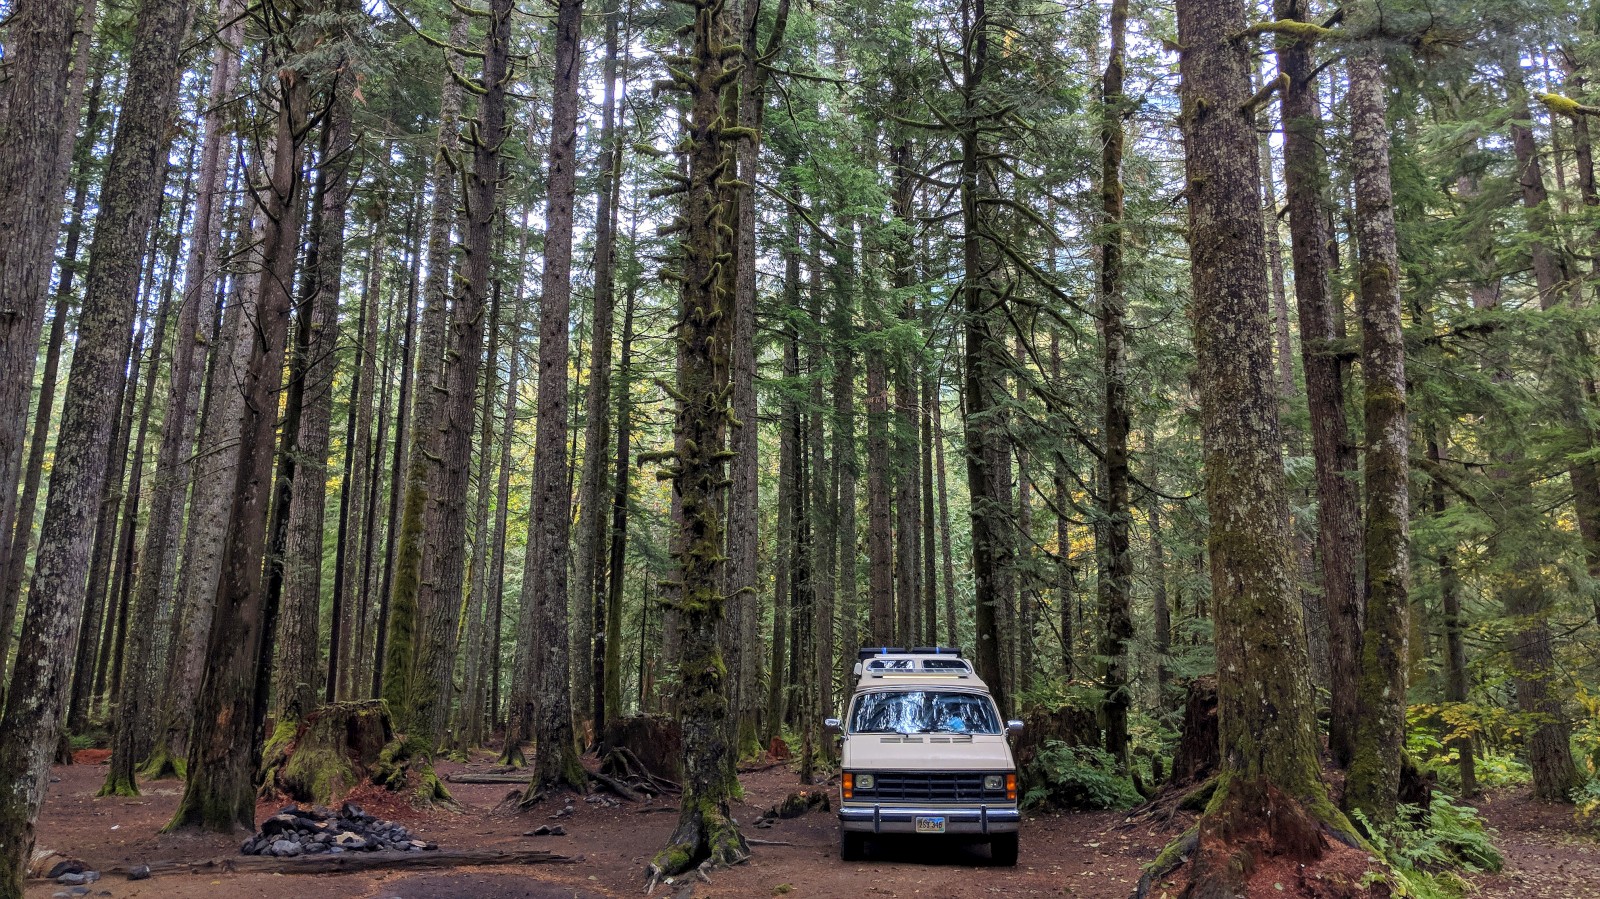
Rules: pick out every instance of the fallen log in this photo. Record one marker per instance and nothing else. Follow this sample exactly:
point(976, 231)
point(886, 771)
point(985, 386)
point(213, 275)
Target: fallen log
point(490, 778)
point(327, 863)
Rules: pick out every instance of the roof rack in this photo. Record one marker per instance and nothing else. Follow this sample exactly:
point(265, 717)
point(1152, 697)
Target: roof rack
point(867, 652)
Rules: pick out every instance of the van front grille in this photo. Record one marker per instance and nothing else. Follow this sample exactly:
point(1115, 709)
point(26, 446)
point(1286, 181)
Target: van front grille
point(931, 786)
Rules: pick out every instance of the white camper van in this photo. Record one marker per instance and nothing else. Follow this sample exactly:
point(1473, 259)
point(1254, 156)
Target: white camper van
point(925, 751)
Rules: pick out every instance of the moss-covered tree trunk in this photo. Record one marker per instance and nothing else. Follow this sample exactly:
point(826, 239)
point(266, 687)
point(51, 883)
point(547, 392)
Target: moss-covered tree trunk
point(1374, 780)
point(298, 663)
point(406, 635)
point(984, 362)
point(706, 829)
point(129, 199)
point(1271, 799)
point(1338, 510)
point(230, 710)
point(38, 54)
point(1116, 588)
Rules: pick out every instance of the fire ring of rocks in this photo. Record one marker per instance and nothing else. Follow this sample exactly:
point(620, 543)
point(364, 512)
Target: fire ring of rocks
point(295, 831)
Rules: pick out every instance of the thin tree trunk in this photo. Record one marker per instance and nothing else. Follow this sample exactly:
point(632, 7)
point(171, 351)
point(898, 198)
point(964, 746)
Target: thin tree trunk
point(880, 537)
point(469, 729)
point(27, 502)
point(545, 584)
point(619, 513)
point(408, 634)
point(1373, 783)
point(1116, 587)
point(845, 453)
point(1456, 676)
point(590, 563)
point(788, 479)
point(142, 594)
point(1338, 510)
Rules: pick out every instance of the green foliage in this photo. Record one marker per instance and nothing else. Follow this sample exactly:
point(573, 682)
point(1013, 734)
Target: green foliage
point(1429, 851)
point(1077, 777)
point(1432, 729)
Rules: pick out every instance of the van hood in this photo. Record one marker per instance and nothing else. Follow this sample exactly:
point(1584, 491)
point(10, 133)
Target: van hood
point(919, 752)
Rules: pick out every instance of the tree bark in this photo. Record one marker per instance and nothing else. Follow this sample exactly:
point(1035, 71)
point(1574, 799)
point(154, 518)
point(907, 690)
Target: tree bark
point(229, 713)
point(706, 829)
point(545, 586)
point(590, 560)
point(1115, 588)
point(1338, 510)
point(129, 198)
point(32, 177)
point(880, 537)
point(299, 659)
point(1373, 784)
point(1265, 713)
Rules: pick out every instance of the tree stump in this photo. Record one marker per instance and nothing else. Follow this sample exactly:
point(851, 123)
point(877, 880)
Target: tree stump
point(656, 742)
point(1068, 725)
point(327, 752)
point(1200, 747)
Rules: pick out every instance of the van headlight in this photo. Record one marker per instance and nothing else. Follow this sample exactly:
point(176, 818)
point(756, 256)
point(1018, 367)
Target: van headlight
point(994, 782)
point(865, 781)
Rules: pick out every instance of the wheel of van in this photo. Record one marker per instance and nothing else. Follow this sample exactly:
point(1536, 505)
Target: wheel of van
point(1003, 849)
point(852, 846)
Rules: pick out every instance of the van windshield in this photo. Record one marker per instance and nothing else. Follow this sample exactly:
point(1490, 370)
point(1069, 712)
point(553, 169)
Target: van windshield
point(924, 712)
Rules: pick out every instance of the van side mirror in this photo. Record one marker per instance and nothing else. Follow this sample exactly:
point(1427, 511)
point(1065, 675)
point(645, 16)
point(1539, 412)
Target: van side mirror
point(833, 726)
point(1014, 726)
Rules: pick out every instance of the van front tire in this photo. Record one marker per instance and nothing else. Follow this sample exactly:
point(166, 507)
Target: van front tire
point(852, 846)
point(1003, 850)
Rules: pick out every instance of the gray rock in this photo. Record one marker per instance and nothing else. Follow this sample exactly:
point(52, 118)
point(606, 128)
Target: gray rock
point(285, 849)
point(139, 872)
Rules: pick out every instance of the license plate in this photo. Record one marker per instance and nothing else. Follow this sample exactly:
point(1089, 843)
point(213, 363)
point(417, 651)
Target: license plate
point(930, 824)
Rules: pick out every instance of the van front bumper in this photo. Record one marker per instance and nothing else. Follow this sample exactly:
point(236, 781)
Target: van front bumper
point(965, 819)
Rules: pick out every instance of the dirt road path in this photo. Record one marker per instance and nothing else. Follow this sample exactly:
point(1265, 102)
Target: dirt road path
point(1093, 856)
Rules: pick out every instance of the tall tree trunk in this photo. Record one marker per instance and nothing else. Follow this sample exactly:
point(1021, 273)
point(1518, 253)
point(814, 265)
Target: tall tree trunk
point(846, 462)
point(1265, 711)
point(706, 829)
point(469, 731)
point(946, 555)
point(1373, 784)
point(399, 469)
point(788, 482)
point(1456, 676)
point(299, 660)
point(880, 536)
point(19, 539)
point(589, 550)
point(32, 177)
point(356, 525)
point(176, 459)
point(443, 572)
point(408, 632)
point(824, 542)
point(545, 584)
point(1338, 511)
point(224, 749)
point(144, 584)
point(619, 513)
point(129, 198)
point(984, 364)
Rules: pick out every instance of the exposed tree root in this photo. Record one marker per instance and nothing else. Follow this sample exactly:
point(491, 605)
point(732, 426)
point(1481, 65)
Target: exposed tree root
point(706, 838)
point(162, 764)
point(1252, 830)
point(402, 765)
point(119, 786)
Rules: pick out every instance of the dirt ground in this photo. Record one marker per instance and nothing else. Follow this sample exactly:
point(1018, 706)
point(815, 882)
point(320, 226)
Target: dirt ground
point(1096, 855)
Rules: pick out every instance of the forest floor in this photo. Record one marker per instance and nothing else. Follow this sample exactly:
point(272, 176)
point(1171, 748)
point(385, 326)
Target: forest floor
point(1093, 854)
